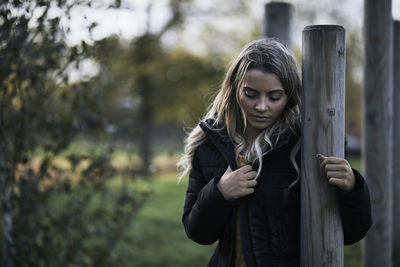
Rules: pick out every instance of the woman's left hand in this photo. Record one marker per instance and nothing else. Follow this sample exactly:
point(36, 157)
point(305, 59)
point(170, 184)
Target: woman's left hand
point(338, 171)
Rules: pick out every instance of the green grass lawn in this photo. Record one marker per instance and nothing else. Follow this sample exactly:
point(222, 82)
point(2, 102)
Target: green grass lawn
point(157, 237)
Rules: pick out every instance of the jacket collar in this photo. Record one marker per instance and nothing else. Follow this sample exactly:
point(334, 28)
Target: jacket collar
point(219, 136)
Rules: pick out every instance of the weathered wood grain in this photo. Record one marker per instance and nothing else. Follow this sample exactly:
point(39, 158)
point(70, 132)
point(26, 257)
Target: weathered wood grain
point(323, 115)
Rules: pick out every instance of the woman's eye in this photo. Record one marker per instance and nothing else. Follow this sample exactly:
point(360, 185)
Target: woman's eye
point(249, 94)
point(274, 98)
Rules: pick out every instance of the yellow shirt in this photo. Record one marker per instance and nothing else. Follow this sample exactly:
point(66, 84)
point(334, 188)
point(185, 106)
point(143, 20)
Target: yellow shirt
point(239, 260)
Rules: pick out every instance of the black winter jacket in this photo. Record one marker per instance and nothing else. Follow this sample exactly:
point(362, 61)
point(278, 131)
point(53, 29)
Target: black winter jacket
point(270, 217)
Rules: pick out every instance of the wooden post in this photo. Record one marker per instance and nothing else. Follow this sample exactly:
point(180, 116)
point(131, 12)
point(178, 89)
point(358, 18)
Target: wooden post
point(378, 129)
point(323, 105)
point(396, 143)
point(277, 21)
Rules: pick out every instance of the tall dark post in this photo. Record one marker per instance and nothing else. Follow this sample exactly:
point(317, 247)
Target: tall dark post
point(396, 144)
point(277, 21)
point(8, 254)
point(323, 108)
point(378, 129)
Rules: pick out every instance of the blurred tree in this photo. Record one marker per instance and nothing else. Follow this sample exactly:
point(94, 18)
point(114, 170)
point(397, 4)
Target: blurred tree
point(180, 85)
point(40, 110)
point(146, 51)
point(181, 79)
point(152, 83)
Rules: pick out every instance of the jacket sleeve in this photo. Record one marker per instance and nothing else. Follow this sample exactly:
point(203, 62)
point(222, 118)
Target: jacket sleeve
point(206, 211)
point(355, 210)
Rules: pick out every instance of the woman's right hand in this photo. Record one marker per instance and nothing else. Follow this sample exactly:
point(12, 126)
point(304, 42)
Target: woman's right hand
point(238, 183)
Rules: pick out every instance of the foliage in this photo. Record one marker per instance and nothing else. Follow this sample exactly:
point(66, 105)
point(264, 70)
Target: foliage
point(143, 61)
point(75, 219)
point(147, 84)
point(51, 212)
point(179, 80)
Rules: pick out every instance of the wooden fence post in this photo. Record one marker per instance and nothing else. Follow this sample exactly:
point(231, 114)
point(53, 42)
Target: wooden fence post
point(378, 129)
point(277, 21)
point(323, 106)
point(396, 143)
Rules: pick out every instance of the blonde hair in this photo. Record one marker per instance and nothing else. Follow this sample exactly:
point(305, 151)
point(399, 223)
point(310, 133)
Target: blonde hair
point(266, 55)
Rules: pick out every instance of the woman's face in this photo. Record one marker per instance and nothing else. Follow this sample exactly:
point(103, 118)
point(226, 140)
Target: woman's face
point(263, 100)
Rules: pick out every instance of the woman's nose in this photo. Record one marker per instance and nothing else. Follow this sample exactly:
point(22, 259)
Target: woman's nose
point(262, 104)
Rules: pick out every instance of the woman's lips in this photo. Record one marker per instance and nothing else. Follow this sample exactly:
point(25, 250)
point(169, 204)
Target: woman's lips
point(260, 118)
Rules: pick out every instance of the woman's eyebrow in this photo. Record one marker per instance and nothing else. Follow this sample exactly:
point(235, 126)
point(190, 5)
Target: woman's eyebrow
point(249, 88)
point(277, 90)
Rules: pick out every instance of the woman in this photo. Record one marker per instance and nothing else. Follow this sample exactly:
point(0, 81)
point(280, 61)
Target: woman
point(243, 163)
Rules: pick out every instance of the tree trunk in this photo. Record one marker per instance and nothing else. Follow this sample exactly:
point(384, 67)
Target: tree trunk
point(146, 124)
point(323, 107)
point(378, 129)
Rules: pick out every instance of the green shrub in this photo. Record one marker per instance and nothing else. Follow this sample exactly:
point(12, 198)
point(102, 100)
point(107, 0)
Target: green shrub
point(64, 221)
